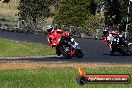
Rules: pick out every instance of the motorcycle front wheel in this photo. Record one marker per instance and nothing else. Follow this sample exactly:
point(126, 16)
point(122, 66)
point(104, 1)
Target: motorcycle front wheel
point(62, 49)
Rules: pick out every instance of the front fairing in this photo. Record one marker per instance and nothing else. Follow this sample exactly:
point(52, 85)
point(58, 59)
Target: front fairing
point(54, 39)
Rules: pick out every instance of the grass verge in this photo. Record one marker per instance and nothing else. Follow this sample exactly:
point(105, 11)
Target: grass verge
point(56, 78)
point(10, 48)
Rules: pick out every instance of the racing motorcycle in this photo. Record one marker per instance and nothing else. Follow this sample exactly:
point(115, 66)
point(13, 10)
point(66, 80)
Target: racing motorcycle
point(66, 46)
point(120, 45)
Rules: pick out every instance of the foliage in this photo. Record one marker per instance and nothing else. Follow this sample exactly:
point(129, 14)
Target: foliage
point(74, 12)
point(113, 13)
point(93, 7)
point(116, 12)
point(34, 9)
point(124, 14)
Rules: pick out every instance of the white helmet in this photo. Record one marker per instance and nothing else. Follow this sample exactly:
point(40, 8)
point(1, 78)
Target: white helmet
point(50, 28)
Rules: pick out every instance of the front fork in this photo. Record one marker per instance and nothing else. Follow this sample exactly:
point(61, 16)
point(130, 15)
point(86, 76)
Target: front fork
point(72, 52)
point(72, 46)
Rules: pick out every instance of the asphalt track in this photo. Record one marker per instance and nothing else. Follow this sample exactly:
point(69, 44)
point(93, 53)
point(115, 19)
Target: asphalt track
point(95, 51)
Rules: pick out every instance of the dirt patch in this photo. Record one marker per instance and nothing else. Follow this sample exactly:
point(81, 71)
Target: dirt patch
point(33, 65)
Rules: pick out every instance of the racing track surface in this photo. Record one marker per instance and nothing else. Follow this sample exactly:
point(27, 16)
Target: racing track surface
point(95, 50)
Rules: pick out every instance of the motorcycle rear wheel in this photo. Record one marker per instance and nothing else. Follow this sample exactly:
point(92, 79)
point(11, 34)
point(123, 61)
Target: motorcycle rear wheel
point(125, 50)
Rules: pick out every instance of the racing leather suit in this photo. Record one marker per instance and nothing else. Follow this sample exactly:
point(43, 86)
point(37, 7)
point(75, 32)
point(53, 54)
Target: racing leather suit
point(61, 32)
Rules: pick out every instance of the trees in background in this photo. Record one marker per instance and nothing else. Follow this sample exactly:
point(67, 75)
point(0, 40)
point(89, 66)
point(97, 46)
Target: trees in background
point(77, 12)
point(113, 12)
point(34, 9)
point(116, 12)
point(74, 12)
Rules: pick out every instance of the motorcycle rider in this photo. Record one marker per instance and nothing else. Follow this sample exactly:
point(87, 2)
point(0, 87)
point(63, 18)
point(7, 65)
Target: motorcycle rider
point(108, 37)
point(51, 30)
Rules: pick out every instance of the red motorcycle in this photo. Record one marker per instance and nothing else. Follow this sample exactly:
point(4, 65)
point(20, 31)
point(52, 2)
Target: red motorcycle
point(65, 45)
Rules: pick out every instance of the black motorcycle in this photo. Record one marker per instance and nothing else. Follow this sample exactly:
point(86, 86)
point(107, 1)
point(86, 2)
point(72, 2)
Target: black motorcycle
point(119, 44)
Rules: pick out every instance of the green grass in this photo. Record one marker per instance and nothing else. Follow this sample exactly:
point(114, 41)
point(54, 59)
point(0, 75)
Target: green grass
point(10, 48)
point(56, 78)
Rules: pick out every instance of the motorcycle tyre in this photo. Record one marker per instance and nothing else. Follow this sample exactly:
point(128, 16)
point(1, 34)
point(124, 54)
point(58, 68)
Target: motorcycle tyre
point(125, 50)
point(60, 48)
